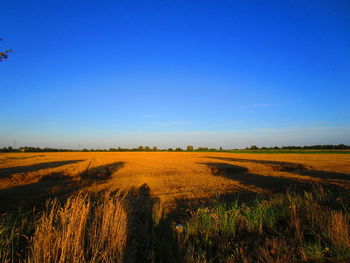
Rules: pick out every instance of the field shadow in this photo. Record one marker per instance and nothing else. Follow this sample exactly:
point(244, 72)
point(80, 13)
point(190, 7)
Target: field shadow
point(55, 185)
point(35, 194)
point(241, 174)
point(250, 183)
point(295, 168)
point(100, 173)
point(7, 172)
point(23, 157)
point(150, 235)
point(139, 208)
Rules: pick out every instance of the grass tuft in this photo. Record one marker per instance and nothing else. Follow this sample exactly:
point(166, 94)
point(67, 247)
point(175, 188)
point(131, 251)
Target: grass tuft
point(282, 228)
point(82, 230)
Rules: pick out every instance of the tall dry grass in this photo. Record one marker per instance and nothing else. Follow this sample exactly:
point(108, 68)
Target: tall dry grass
point(293, 227)
point(15, 232)
point(296, 227)
point(81, 230)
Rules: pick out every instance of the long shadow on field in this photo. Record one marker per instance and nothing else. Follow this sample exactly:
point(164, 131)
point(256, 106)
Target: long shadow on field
point(100, 173)
point(35, 194)
point(54, 185)
point(150, 236)
point(295, 168)
point(270, 183)
point(7, 172)
point(22, 157)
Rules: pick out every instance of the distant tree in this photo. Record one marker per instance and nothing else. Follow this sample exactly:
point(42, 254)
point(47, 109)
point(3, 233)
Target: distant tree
point(155, 148)
point(170, 150)
point(190, 148)
point(178, 149)
point(202, 149)
point(7, 149)
point(141, 148)
point(3, 54)
point(220, 148)
point(254, 147)
point(147, 148)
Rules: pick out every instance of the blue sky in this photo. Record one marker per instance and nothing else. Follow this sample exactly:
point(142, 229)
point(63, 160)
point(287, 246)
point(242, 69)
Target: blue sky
point(172, 73)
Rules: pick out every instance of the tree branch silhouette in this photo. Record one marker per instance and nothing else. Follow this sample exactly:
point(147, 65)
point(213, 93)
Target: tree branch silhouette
point(4, 54)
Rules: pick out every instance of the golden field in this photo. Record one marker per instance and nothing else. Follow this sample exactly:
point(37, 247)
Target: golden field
point(174, 207)
point(26, 178)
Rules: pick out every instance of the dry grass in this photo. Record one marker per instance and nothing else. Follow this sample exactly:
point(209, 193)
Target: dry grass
point(338, 231)
point(281, 228)
point(81, 231)
point(87, 218)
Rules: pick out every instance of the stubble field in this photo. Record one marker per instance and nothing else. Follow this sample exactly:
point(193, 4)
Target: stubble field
point(176, 186)
point(31, 177)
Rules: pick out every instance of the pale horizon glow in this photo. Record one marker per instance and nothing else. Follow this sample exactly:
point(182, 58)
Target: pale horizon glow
point(170, 74)
point(227, 139)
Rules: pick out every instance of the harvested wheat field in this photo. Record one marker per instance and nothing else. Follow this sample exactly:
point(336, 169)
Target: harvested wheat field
point(143, 195)
point(28, 177)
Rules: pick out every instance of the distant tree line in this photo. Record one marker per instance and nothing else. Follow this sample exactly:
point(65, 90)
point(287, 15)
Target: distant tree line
point(189, 148)
point(306, 147)
point(33, 149)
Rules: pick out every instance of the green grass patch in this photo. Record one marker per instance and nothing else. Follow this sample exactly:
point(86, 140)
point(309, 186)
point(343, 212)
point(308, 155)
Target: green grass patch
point(293, 227)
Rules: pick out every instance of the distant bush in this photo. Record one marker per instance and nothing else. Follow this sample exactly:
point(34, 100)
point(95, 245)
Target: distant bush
point(190, 148)
point(253, 147)
point(141, 148)
point(202, 149)
point(147, 149)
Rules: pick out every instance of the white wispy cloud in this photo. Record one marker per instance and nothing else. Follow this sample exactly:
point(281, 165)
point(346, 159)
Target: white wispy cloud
point(316, 123)
point(251, 106)
point(148, 116)
point(171, 123)
point(224, 124)
point(102, 131)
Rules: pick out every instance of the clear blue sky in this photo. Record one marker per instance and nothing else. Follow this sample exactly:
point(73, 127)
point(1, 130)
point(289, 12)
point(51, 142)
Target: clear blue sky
point(172, 73)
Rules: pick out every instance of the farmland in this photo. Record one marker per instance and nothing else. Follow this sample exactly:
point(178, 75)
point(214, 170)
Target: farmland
point(151, 192)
